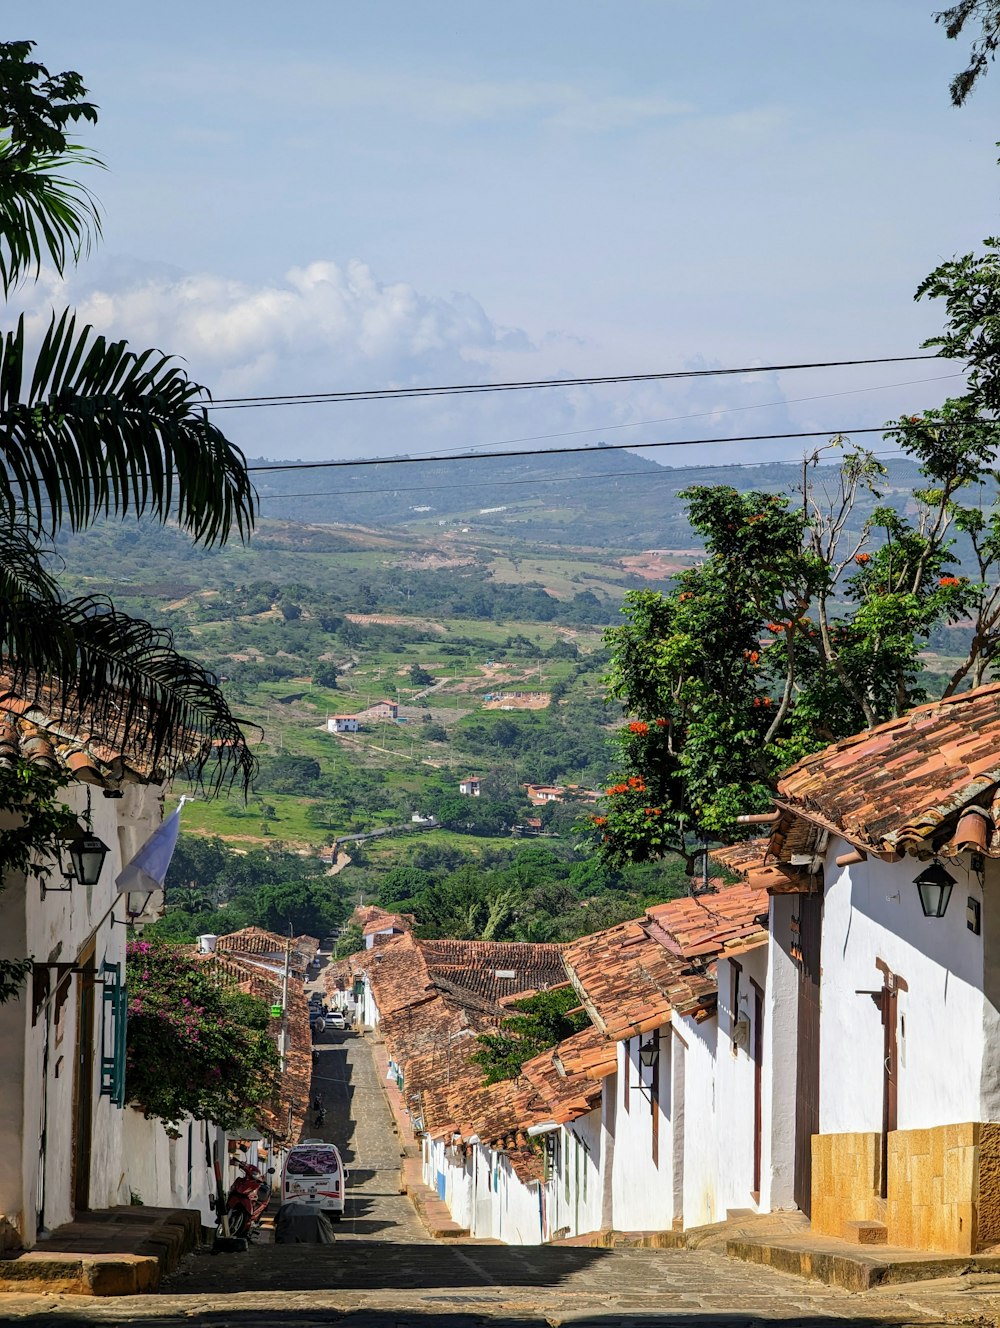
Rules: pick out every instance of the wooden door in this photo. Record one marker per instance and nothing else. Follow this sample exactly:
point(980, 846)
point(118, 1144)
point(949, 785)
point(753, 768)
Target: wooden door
point(810, 920)
point(83, 1096)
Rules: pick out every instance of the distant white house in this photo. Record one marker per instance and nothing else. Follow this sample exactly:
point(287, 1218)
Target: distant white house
point(470, 787)
point(343, 724)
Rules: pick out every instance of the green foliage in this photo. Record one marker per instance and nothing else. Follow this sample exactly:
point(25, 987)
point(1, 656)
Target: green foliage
point(984, 47)
point(195, 1048)
point(799, 628)
point(37, 824)
point(326, 675)
point(93, 429)
point(212, 889)
point(42, 214)
point(541, 1021)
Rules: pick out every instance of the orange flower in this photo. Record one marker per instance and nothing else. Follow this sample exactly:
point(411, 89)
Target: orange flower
point(752, 655)
point(862, 558)
point(687, 595)
point(600, 820)
point(775, 627)
point(662, 723)
point(950, 581)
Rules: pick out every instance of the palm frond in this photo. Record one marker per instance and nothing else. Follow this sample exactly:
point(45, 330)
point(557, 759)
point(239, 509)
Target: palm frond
point(43, 214)
point(122, 678)
point(102, 430)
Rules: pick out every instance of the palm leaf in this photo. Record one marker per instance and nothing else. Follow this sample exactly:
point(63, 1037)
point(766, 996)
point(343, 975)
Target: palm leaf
point(43, 215)
point(102, 430)
point(108, 674)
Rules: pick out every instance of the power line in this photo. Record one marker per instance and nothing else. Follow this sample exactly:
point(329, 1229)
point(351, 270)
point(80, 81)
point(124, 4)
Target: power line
point(695, 415)
point(533, 384)
point(604, 447)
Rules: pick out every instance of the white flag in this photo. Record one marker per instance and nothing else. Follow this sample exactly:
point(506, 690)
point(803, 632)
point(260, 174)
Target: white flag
point(148, 869)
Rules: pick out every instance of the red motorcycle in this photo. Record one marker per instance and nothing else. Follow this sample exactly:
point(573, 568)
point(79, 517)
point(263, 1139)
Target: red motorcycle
point(247, 1200)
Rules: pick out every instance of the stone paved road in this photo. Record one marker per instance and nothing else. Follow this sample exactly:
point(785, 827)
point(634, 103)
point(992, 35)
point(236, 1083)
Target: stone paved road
point(384, 1272)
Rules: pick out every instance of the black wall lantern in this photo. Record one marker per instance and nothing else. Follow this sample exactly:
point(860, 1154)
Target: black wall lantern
point(649, 1053)
point(934, 885)
point(86, 855)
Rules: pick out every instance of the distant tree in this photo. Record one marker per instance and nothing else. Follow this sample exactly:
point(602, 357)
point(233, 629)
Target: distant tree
point(419, 677)
point(540, 1022)
point(326, 675)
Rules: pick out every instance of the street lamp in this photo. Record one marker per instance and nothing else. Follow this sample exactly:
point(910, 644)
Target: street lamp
point(934, 885)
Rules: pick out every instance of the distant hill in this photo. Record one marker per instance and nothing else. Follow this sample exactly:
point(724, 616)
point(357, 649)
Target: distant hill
point(602, 499)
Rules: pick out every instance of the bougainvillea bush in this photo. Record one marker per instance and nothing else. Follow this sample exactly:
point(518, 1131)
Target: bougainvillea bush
point(194, 1048)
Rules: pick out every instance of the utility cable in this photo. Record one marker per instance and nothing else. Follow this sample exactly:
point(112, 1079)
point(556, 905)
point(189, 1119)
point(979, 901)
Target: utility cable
point(603, 447)
point(533, 384)
point(695, 415)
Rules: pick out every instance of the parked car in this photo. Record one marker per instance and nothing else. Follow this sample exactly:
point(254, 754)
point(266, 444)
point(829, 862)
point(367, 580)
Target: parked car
point(336, 1019)
point(314, 1173)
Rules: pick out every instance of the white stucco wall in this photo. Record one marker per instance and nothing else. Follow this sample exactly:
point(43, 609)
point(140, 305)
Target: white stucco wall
point(573, 1196)
point(735, 1069)
point(641, 1191)
point(171, 1173)
point(872, 910)
point(701, 1164)
point(780, 1049)
point(39, 1055)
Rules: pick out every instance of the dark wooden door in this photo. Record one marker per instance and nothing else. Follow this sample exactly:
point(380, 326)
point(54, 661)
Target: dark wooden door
point(83, 1097)
point(810, 921)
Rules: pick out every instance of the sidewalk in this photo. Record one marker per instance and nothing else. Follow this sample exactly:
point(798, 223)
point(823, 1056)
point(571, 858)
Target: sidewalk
point(786, 1243)
point(110, 1252)
point(432, 1211)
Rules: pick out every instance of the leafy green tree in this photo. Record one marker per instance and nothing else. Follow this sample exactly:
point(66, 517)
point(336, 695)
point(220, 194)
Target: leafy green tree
point(90, 429)
point(194, 1048)
point(541, 1021)
point(326, 674)
point(419, 676)
point(802, 626)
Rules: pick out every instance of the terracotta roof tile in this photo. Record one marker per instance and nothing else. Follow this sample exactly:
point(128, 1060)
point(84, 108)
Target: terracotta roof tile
point(629, 982)
point(725, 921)
point(49, 730)
point(903, 786)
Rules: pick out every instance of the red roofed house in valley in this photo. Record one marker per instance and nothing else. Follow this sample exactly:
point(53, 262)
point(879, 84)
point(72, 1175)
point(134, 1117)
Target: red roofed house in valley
point(889, 843)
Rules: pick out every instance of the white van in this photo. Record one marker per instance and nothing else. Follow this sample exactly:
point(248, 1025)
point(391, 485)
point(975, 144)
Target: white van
point(314, 1172)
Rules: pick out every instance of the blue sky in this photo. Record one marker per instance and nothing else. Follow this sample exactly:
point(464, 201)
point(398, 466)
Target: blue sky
point(334, 195)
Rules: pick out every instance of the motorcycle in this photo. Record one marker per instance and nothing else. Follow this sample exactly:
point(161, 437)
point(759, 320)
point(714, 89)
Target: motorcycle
point(247, 1200)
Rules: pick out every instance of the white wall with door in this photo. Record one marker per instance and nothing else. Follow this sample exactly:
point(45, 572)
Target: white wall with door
point(641, 1124)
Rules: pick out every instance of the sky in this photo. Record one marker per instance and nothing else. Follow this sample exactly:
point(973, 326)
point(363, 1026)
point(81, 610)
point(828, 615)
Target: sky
point(327, 195)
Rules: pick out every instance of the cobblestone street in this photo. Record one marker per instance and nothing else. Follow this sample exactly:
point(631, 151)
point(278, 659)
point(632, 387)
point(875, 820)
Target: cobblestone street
point(383, 1271)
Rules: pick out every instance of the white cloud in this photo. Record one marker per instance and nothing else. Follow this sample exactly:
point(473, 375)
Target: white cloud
point(327, 327)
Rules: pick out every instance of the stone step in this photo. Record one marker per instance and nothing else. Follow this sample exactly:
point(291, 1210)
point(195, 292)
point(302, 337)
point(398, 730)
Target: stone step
point(866, 1233)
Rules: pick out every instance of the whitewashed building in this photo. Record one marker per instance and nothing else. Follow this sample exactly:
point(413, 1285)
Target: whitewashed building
point(889, 841)
point(62, 1040)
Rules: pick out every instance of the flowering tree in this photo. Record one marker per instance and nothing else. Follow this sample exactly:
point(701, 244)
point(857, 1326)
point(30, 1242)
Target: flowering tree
point(807, 619)
point(194, 1048)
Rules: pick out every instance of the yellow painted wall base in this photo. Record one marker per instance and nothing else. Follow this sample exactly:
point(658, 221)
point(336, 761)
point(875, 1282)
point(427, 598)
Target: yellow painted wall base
point(943, 1191)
